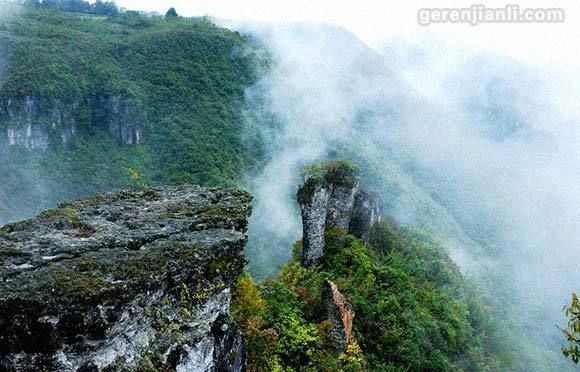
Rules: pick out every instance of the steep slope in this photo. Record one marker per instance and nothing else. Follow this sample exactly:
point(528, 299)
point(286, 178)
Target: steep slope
point(451, 151)
point(393, 302)
point(92, 103)
point(88, 101)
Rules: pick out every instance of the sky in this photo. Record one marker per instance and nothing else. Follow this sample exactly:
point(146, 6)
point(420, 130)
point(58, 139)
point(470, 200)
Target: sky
point(375, 21)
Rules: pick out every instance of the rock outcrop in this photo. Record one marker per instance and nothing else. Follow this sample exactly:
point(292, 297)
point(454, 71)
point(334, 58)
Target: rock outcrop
point(366, 212)
point(22, 124)
point(121, 118)
point(37, 124)
point(125, 280)
point(341, 316)
point(330, 198)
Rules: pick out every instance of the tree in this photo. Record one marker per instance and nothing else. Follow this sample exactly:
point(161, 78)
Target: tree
point(572, 333)
point(32, 3)
point(171, 13)
point(106, 8)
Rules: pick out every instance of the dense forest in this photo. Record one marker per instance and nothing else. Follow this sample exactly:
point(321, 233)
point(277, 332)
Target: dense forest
point(183, 78)
point(413, 310)
point(75, 6)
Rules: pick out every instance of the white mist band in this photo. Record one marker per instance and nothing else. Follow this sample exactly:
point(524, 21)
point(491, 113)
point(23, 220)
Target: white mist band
point(477, 14)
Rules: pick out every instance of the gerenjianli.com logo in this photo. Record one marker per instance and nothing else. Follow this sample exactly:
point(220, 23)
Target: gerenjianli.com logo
point(478, 14)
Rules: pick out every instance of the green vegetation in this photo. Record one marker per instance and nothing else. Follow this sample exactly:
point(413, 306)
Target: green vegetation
point(413, 310)
point(183, 78)
point(572, 332)
point(76, 6)
point(171, 13)
point(338, 172)
point(331, 171)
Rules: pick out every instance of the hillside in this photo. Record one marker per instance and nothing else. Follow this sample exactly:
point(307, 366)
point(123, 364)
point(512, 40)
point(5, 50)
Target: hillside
point(93, 102)
point(90, 103)
point(364, 294)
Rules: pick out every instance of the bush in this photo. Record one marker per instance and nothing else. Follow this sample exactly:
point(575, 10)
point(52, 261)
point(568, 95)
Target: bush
point(572, 332)
point(413, 309)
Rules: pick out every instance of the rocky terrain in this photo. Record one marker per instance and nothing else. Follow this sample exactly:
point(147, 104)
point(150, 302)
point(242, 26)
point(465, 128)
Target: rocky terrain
point(118, 281)
point(332, 199)
point(38, 124)
point(339, 312)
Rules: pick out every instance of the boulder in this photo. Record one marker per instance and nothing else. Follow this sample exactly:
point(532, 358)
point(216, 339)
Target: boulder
point(126, 280)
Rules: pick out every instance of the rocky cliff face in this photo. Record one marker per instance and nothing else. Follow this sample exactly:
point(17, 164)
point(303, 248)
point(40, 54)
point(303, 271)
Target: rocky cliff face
point(340, 314)
point(121, 117)
point(332, 199)
point(365, 213)
point(37, 125)
point(23, 126)
point(125, 280)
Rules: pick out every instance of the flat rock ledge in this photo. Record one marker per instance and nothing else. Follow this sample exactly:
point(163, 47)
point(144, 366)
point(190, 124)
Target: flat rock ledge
point(133, 280)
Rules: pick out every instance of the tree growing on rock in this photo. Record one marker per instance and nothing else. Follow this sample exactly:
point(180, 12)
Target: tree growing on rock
point(171, 13)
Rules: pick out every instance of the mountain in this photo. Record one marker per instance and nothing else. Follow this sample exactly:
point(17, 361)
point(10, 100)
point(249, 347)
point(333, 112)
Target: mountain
point(87, 103)
point(143, 280)
point(92, 102)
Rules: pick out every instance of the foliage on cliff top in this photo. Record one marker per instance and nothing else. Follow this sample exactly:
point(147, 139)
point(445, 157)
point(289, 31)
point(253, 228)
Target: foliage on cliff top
point(330, 172)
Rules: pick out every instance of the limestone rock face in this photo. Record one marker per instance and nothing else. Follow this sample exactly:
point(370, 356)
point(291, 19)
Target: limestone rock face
point(366, 213)
point(314, 206)
point(332, 199)
point(37, 124)
point(125, 280)
point(23, 124)
point(341, 316)
point(121, 117)
point(340, 205)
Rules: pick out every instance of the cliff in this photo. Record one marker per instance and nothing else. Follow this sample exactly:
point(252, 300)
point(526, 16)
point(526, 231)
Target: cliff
point(330, 198)
point(126, 92)
point(39, 124)
point(125, 280)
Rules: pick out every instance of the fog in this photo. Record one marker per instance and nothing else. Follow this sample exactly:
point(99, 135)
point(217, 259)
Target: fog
point(488, 142)
point(479, 148)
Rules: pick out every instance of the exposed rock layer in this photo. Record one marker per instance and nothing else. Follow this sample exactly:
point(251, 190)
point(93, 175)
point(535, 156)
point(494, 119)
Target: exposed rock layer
point(125, 279)
point(38, 124)
point(333, 200)
point(341, 316)
point(366, 212)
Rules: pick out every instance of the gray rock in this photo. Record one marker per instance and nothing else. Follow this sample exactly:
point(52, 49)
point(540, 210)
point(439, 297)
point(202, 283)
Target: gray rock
point(326, 200)
point(23, 125)
point(340, 314)
point(366, 213)
point(331, 199)
point(38, 124)
point(340, 206)
point(121, 117)
point(127, 279)
point(314, 207)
